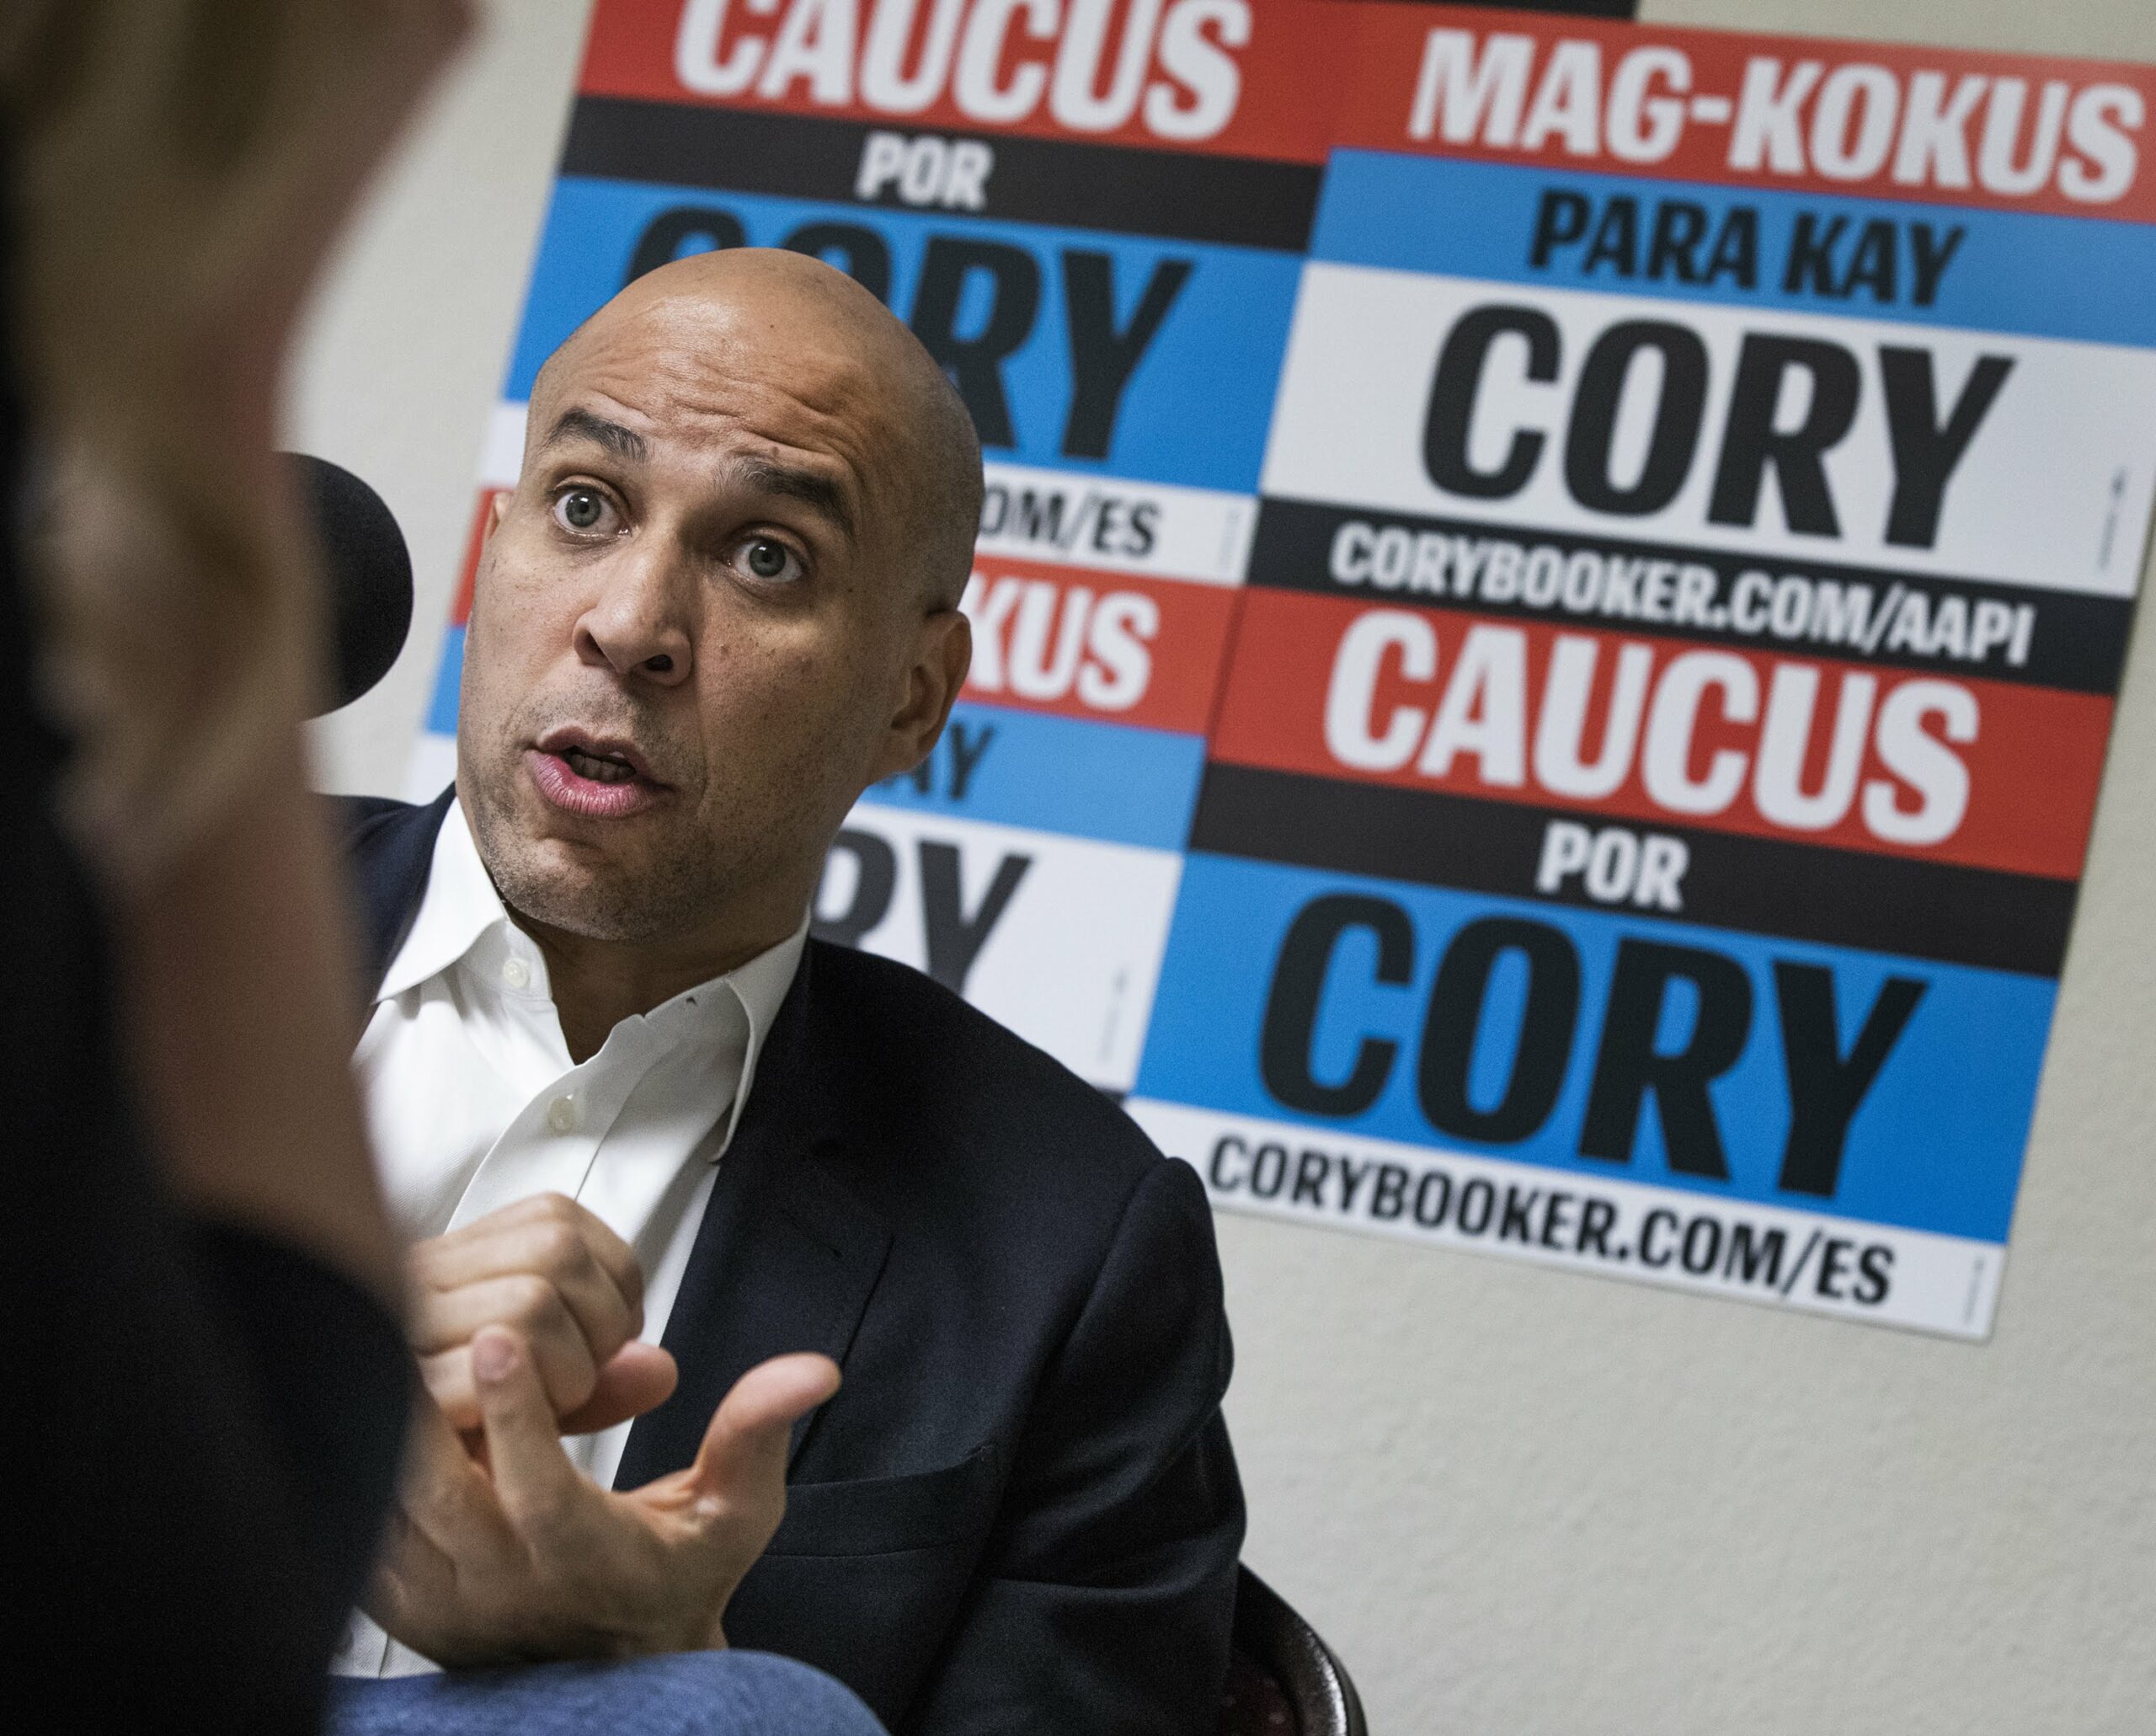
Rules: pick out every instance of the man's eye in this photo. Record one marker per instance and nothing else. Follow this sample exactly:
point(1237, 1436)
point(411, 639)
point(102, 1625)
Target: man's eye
point(581, 509)
point(769, 559)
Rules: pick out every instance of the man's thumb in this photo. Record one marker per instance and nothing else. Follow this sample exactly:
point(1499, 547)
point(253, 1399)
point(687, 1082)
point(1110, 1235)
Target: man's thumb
point(743, 1458)
point(639, 1377)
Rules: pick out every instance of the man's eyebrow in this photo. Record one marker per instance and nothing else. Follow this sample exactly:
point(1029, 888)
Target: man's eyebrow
point(809, 487)
point(583, 425)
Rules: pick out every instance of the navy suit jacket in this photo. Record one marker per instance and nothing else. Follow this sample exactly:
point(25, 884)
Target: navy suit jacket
point(1021, 1512)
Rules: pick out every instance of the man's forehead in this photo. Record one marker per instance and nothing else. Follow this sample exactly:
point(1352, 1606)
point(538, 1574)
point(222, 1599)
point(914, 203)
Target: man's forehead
point(764, 352)
point(716, 343)
point(700, 370)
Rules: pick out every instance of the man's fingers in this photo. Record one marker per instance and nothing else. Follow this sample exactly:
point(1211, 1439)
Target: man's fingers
point(641, 1377)
point(441, 1494)
point(410, 1569)
point(546, 1267)
point(562, 1240)
point(537, 1212)
point(442, 1327)
point(532, 1476)
point(435, 1458)
point(593, 1272)
point(521, 1299)
point(450, 1383)
point(742, 1463)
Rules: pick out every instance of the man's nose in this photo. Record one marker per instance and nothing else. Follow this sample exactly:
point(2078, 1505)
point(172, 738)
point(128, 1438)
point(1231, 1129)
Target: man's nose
point(638, 625)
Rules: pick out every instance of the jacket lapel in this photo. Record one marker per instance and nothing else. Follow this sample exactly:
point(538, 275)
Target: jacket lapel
point(786, 1258)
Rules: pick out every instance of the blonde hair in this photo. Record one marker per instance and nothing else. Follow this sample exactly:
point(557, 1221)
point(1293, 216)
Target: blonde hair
point(179, 648)
point(170, 170)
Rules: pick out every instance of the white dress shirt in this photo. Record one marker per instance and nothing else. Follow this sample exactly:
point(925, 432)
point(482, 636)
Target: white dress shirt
point(473, 1103)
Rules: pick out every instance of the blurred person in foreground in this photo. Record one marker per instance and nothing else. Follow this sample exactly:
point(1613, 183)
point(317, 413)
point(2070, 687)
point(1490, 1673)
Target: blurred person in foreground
point(626, 1102)
point(208, 1375)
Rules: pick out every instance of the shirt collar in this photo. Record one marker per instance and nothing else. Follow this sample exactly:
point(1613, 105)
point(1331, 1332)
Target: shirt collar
point(761, 986)
point(458, 908)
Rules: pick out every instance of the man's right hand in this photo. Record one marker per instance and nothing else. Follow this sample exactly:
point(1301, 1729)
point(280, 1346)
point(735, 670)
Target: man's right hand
point(567, 1285)
point(527, 1560)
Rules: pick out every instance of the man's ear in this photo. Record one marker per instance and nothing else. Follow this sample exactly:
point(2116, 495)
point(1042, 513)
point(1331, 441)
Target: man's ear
point(943, 651)
point(490, 520)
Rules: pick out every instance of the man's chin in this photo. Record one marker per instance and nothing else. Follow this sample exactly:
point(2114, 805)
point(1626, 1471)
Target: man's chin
point(560, 887)
point(579, 878)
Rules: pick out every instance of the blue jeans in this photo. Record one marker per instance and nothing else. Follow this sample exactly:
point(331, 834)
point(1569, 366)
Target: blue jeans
point(686, 1693)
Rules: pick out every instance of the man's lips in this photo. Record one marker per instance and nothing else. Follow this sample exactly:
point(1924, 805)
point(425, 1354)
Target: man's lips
point(591, 754)
point(595, 779)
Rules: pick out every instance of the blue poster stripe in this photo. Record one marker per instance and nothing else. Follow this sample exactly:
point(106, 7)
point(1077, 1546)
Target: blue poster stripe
point(2011, 272)
point(1054, 774)
point(1215, 355)
point(1935, 1143)
point(448, 677)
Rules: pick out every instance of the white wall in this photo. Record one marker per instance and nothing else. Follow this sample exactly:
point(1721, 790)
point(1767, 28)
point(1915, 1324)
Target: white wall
point(1521, 1501)
point(407, 345)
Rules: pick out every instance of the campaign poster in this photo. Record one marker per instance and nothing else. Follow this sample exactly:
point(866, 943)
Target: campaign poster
point(1551, 595)
point(1705, 497)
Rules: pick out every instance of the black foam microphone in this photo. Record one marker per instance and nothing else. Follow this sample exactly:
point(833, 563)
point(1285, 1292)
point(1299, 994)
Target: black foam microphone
point(368, 572)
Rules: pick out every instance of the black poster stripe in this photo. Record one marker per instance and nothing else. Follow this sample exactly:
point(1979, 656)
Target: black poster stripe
point(2077, 642)
point(1239, 201)
point(1883, 904)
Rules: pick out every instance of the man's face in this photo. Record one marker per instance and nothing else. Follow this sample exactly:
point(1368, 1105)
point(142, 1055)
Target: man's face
point(695, 622)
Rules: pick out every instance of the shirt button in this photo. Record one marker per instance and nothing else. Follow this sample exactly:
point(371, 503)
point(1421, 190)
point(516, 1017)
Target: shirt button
point(516, 973)
point(561, 1114)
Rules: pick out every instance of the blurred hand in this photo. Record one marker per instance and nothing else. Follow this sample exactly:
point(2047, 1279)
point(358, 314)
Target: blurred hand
point(185, 166)
point(527, 1560)
point(567, 1285)
point(179, 170)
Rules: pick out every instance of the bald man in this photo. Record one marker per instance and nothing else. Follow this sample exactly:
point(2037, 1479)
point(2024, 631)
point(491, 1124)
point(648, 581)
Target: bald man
point(648, 1135)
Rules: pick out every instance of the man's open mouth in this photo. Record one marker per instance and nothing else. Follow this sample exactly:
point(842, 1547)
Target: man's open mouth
point(601, 768)
point(599, 777)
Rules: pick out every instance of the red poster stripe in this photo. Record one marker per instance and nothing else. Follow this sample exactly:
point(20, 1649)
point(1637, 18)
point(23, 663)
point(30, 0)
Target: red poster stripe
point(475, 543)
point(1870, 90)
point(2032, 769)
point(1104, 646)
point(1271, 103)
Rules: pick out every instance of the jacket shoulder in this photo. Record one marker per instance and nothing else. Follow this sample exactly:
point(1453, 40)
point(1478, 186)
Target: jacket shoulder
point(965, 1081)
point(360, 820)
